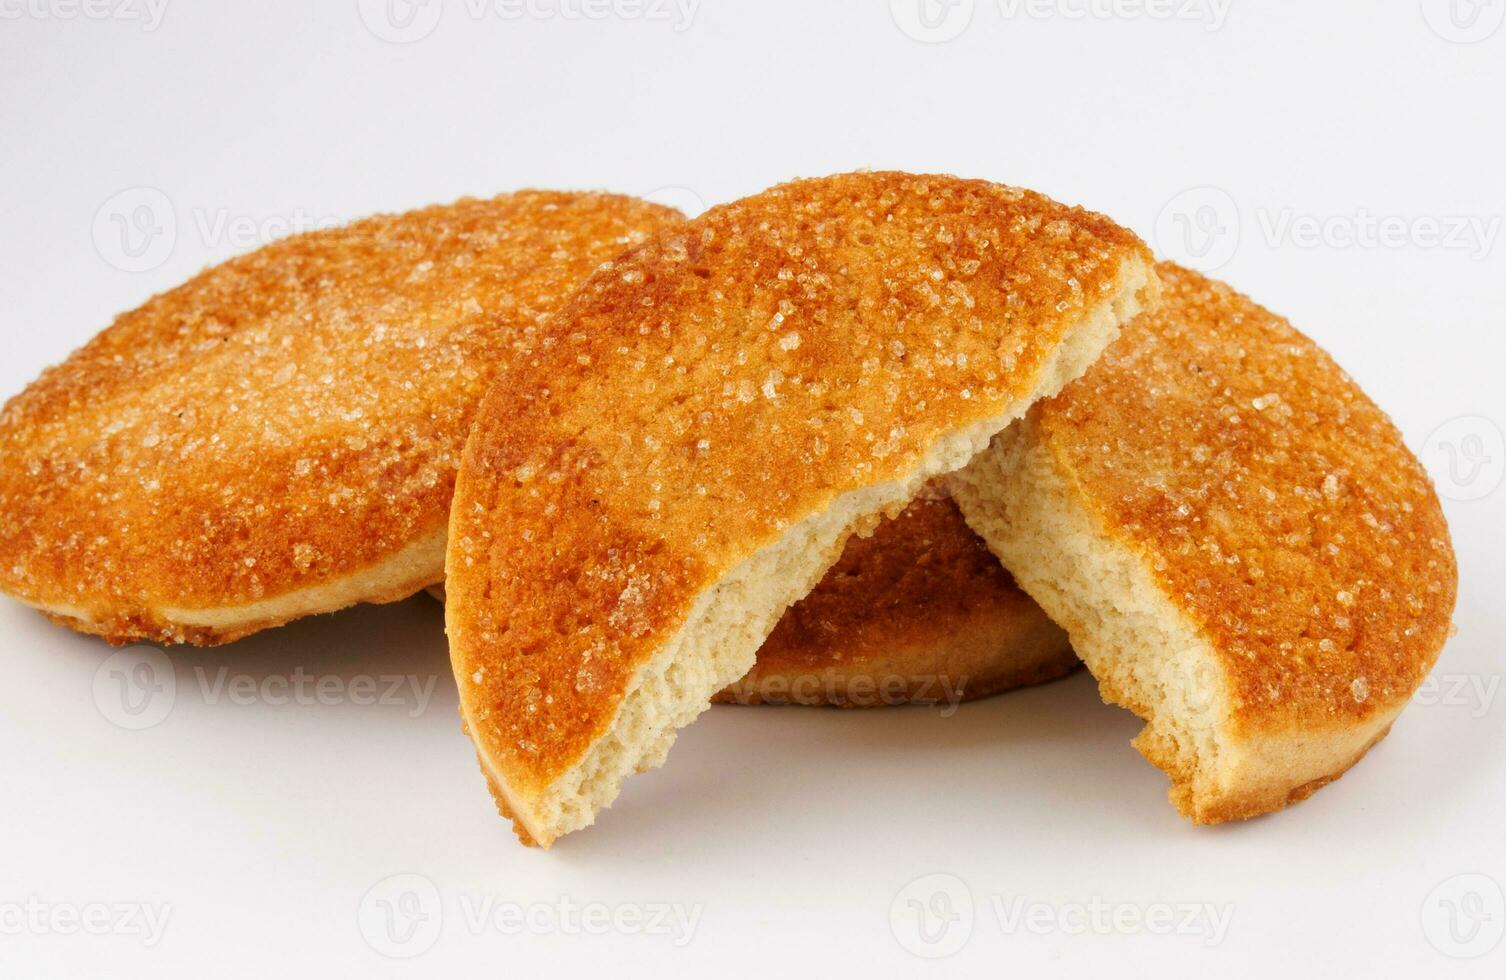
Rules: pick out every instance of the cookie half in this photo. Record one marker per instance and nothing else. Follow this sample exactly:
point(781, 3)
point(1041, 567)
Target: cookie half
point(641, 500)
point(1242, 549)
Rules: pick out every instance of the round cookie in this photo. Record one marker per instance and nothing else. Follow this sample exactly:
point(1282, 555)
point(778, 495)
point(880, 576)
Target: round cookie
point(920, 612)
point(728, 403)
point(279, 435)
point(1240, 546)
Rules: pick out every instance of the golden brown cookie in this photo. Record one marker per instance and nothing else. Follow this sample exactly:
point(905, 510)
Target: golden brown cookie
point(641, 500)
point(1242, 549)
point(279, 435)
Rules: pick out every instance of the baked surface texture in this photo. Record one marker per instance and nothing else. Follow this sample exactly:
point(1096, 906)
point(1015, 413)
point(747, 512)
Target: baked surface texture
point(919, 612)
point(643, 497)
point(279, 435)
point(1242, 549)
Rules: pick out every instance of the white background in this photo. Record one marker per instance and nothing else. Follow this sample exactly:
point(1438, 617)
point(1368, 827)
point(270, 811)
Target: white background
point(270, 829)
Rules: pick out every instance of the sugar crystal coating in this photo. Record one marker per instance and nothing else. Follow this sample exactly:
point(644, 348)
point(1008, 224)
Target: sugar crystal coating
point(287, 417)
point(1274, 501)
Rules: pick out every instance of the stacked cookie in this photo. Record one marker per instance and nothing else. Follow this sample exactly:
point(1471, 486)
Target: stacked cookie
point(767, 454)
